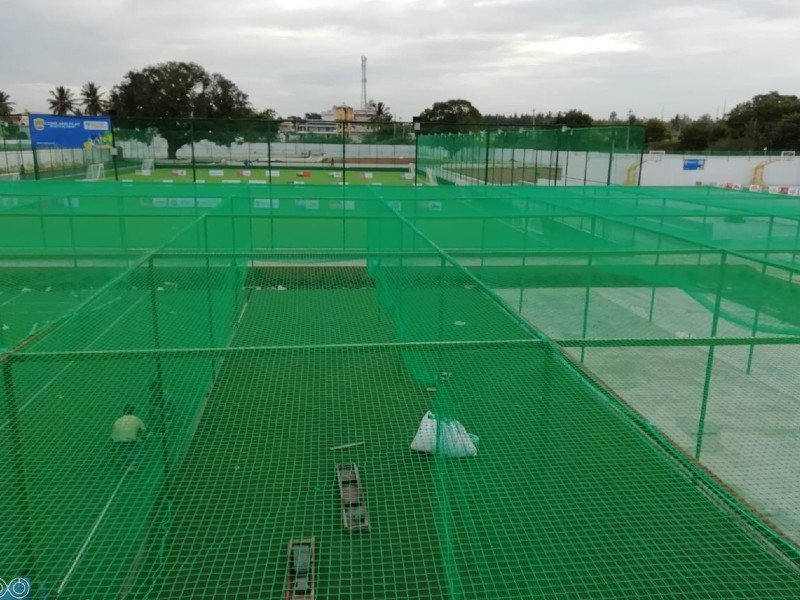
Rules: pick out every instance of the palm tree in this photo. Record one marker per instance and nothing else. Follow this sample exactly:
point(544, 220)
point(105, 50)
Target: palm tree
point(382, 114)
point(5, 104)
point(62, 101)
point(92, 99)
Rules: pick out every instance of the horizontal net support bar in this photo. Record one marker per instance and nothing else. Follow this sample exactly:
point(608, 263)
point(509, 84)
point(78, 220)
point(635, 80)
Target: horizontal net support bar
point(100, 355)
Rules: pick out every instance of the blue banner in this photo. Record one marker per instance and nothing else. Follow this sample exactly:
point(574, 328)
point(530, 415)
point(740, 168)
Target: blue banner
point(50, 131)
point(694, 164)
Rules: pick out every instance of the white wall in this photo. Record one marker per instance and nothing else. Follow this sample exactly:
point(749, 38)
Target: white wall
point(719, 169)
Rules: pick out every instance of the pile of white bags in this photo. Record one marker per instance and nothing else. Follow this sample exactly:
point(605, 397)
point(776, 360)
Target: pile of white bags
point(448, 438)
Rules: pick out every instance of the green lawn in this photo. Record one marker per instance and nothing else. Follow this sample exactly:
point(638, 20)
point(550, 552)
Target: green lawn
point(565, 499)
point(280, 175)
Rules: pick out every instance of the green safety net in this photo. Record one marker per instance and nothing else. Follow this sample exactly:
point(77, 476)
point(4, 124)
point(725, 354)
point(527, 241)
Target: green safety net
point(365, 152)
point(624, 358)
point(541, 157)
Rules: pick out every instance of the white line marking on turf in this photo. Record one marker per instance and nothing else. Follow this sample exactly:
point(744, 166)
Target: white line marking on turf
point(11, 299)
point(89, 537)
point(33, 328)
point(68, 365)
point(109, 303)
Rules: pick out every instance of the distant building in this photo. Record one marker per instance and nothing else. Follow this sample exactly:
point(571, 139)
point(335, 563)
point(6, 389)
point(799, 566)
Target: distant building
point(340, 118)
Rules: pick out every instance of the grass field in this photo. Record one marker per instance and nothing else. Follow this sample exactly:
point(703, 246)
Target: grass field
point(570, 496)
point(566, 499)
point(280, 174)
point(622, 523)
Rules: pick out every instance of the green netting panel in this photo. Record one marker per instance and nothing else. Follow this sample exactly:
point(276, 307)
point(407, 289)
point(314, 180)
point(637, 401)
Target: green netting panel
point(625, 360)
point(546, 157)
point(261, 151)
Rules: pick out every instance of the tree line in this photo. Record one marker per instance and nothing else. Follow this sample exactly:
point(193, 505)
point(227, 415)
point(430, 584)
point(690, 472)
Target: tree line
point(175, 90)
point(770, 121)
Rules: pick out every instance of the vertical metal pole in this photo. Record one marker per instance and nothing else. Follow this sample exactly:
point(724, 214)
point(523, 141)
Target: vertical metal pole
point(486, 166)
point(72, 240)
point(344, 152)
point(153, 303)
point(209, 296)
point(269, 156)
point(769, 236)
point(159, 374)
point(641, 162)
point(536, 166)
point(610, 161)
point(524, 257)
point(114, 150)
point(41, 224)
point(17, 459)
point(710, 363)
point(756, 317)
point(513, 156)
point(794, 247)
point(191, 134)
point(585, 327)
point(416, 155)
point(35, 162)
point(585, 168)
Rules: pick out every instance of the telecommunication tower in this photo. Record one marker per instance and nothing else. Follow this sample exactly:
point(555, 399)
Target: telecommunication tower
point(363, 82)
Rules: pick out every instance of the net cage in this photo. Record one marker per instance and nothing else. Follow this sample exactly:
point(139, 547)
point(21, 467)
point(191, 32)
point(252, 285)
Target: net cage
point(263, 151)
point(541, 157)
point(372, 152)
point(609, 375)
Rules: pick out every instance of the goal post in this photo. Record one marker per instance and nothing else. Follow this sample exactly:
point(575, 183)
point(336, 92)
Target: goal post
point(657, 155)
point(787, 155)
point(148, 165)
point(95, 172)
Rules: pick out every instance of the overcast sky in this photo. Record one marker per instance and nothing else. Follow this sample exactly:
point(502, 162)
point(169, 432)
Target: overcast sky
point(504, 56)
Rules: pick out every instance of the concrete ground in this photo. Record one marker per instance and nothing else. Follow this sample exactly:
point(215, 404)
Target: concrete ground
point(751, 438)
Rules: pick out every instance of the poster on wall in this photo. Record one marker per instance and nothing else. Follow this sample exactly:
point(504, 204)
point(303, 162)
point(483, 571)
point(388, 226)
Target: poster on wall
point(51, 131)
point(694, 164)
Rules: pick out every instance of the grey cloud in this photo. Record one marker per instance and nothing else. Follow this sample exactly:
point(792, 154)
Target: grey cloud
point(502, 55)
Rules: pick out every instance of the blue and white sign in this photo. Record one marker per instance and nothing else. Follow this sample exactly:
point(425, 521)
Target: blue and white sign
point(51, 131)
point(694, 164)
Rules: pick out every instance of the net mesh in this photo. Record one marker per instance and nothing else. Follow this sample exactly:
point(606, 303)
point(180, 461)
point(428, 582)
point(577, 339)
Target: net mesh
point(541, 157)
point(625, 358)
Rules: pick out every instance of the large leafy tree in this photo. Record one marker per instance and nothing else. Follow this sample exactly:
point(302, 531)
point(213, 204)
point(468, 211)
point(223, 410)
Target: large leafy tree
point(767, 120)
point(656, 131)
point(574, 118)
point(62, 102)
point(5, 104)
point(92, 99)
point(161, 95)
point(452, 116)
